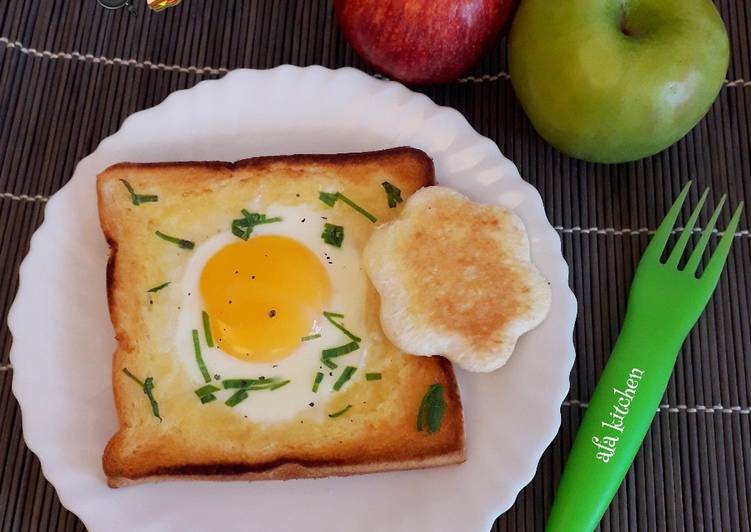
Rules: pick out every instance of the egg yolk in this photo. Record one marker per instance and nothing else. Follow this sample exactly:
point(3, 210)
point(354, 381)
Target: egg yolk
point(263, 295)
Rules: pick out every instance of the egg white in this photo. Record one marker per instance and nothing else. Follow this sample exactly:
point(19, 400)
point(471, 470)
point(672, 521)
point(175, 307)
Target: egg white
point(349, 288)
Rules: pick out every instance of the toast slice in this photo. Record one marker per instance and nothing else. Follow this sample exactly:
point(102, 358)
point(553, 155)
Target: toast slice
point(456, 278)
point(165, 431)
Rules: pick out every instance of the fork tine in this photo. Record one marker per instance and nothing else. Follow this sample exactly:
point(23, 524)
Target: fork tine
point(716, 263)
point(680, 246)
point(660, 238)
point(695, 258)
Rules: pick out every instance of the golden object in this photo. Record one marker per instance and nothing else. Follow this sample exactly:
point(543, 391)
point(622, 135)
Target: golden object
point(159, 5)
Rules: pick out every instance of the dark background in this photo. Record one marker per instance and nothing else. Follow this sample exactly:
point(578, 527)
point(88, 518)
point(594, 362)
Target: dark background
point(71, 72)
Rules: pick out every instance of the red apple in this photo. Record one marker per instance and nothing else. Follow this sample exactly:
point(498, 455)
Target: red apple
point(422, 41)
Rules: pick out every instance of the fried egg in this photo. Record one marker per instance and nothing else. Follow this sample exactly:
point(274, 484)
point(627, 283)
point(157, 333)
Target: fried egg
point(265, 301)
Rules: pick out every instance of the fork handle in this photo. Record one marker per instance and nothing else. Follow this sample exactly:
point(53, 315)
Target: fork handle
point(619, 414)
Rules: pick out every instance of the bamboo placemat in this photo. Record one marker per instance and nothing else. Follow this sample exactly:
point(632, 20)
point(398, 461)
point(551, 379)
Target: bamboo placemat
point(71, 72)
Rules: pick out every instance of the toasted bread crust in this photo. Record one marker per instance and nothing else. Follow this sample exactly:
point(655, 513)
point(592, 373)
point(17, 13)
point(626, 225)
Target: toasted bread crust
point(145, 450)
point(288, 470)
point(397, 156)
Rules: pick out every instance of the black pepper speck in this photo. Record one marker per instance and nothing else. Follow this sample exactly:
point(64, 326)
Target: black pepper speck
point(272, 313)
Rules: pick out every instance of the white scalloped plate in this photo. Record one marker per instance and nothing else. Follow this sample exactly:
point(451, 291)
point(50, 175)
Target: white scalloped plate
point(63, 338)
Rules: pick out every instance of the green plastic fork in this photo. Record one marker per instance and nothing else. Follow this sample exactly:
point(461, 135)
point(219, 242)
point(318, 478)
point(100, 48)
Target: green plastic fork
point(663, 306)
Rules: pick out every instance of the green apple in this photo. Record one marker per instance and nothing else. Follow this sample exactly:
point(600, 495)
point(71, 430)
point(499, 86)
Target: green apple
point(616, 80)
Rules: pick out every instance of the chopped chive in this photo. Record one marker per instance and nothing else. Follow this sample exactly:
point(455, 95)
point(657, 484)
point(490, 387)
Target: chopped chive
point(310, 337)
point(208, 389)
point(344, 377)
point(331, 316)
point(239, 230)
point(207, 329)
point(330, 198)
point(340, 412)
point(244, 383)
point(372, 376)
point(145, 198)
point(136, 379)
point(431, 409)
point(238, 397)
point(147, 387)
point(184, 244)
point(158, 287)
point(137, 199)
point(208, 398)
point(256, 387)
point(355, 206)
point(257, 218)
point(340, 350)
point(333, 235)
point(243, 227)
point(199, 357)
point(435, 411)
point(393, 194)
point(129, 187)
point(250, 385)
point(328, 363)
point(278, 385)
point(317, 382)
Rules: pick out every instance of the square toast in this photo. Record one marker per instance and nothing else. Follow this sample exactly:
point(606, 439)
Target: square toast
point(191, 440)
